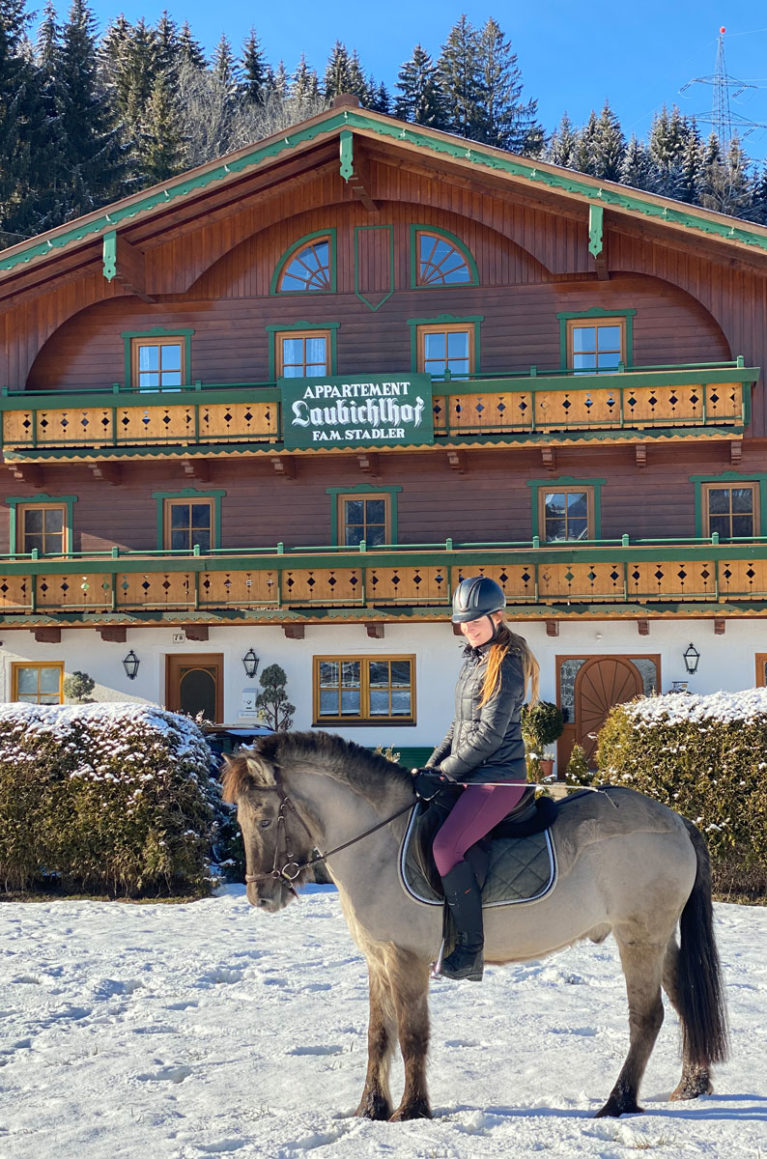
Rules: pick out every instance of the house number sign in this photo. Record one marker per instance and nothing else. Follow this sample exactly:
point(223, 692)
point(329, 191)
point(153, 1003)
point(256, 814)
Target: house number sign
point(365, 411)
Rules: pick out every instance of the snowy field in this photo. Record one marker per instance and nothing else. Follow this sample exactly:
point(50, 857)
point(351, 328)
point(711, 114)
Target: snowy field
point(178, 1032)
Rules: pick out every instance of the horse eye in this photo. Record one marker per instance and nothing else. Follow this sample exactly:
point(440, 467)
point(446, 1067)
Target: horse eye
point(265, 823)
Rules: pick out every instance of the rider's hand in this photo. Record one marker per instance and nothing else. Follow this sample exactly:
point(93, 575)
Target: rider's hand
point(428, 782)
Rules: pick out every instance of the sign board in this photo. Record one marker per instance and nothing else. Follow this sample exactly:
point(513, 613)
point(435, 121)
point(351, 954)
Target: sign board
point(357, 411)
point(248, 710)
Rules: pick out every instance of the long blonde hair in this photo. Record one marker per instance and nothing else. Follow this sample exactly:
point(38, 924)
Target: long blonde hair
point(508, 641)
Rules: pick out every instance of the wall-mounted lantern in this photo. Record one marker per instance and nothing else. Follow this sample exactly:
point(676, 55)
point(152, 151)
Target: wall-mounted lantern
point(691, 658)
point(130, 664)
point(250, 663)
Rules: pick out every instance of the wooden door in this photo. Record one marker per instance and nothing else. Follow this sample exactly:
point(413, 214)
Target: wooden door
point(195, 684)
point(602, 682)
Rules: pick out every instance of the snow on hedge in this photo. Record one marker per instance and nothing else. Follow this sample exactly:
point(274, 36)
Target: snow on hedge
point(115, 796)
point(684, 707)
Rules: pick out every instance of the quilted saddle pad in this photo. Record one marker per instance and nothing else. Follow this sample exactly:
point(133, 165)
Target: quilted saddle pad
point(518, 869)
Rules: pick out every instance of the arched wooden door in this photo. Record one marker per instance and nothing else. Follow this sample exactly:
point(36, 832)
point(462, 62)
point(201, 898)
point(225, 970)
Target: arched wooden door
point(602, 682)
point(195, 684)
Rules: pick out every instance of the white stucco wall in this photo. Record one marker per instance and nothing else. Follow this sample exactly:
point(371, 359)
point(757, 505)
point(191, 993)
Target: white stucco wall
point(726, 662)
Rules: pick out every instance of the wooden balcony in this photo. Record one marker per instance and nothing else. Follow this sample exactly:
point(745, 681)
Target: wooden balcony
point(638, 405)
point(324, 584)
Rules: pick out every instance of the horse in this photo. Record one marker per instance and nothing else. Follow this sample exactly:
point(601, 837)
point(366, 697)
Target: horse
point(627, 865)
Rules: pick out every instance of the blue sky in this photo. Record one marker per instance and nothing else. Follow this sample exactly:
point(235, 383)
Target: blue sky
point(572, 56)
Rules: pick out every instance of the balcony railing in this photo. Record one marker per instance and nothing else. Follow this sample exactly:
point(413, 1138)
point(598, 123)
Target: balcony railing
point(322, 579)
point(631, 405)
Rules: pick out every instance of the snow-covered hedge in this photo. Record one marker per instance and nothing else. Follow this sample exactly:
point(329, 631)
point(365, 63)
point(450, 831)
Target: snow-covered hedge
point(706, 757)
point(113, 797)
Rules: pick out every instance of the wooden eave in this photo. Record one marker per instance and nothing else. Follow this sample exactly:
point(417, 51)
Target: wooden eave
point(226, 185)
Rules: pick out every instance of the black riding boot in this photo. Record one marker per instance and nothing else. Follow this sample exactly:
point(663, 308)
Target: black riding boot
point(465, 900)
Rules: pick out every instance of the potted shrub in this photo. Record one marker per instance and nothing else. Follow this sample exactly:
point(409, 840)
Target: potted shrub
point(542, 724)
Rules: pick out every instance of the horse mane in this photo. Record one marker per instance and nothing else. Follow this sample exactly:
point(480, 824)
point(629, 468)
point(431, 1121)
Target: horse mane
point(364, 771)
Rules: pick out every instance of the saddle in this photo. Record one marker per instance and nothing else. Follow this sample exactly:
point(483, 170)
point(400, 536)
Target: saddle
point(514, 863)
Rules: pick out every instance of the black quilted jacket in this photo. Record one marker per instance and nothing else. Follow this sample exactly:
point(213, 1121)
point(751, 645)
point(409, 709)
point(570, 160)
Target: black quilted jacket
point(485, 744)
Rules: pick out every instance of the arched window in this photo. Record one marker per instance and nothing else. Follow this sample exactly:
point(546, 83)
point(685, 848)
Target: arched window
point(308, 267)
point(442, 261)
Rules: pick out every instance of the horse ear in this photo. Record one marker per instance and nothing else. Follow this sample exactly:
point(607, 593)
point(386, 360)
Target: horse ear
point(231, 779)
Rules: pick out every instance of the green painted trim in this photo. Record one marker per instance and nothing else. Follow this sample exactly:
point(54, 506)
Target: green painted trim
point(474, 320)
point(330, 234)
point(537, 485)
point(109, 255)
point(597, 312)
point(759, 477)
point(482, 157)
point(156, 332)
point(274, 329)
point(357, 230)
point(216, 494)
point(364, 488)
point(459, 245)
point(596, 225)
point(346, 154)
point(14, 502)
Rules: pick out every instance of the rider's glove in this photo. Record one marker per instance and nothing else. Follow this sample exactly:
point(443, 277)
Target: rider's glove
point(428, 782)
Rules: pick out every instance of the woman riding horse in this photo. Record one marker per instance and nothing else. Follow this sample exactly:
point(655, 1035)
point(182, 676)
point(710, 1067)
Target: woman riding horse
point(483, 747)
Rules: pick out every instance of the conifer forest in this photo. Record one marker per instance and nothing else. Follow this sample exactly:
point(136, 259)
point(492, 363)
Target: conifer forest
point(87, 117)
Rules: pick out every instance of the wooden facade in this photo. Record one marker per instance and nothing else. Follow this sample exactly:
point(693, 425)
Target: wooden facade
point(625, 491)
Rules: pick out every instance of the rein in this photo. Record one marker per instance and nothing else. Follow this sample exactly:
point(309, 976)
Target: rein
point(291, 868)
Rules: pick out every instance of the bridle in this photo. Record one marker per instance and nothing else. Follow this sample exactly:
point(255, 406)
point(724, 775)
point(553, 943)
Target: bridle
point(289, 871)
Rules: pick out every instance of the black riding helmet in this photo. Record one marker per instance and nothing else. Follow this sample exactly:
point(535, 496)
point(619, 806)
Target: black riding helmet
point(476, 596)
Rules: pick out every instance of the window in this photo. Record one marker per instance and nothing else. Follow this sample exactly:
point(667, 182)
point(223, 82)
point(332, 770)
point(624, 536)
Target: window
point(307, 270)
point(566, 514)
point(42, 527)
point(440, 261)
point(446, 351)
point(38, 683)
point(364, 517)
point(730, 510)
point(188, 523)
point(303, 354)
point(364, 689)
point(158, 363)
point(596, 346)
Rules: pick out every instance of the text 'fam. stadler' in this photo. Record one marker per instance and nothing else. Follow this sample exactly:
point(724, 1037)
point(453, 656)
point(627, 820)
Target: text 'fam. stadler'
point(354, 411)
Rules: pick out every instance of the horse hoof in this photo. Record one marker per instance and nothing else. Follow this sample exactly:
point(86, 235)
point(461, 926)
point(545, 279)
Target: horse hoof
point(374, 1107)
point(692, 1088)
point(613, 1109)
point(419, 1110)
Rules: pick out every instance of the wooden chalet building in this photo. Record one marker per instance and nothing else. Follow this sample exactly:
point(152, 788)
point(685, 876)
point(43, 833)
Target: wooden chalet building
point(278, 406)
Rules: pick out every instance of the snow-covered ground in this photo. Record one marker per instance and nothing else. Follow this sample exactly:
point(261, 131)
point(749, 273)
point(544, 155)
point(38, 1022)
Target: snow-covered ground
point(178, 1032)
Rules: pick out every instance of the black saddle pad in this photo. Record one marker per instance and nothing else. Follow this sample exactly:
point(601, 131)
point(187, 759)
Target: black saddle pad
point(514, 863)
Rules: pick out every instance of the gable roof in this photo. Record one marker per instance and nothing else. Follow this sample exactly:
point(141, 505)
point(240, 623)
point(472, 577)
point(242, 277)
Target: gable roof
point(338, 127)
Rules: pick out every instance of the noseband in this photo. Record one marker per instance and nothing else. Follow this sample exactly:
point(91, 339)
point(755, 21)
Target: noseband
point(290, 868)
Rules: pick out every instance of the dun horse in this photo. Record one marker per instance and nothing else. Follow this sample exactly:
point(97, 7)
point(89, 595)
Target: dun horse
point(627, 866)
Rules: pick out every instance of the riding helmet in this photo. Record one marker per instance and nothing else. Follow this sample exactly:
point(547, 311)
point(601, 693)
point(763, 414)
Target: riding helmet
point(476, 596)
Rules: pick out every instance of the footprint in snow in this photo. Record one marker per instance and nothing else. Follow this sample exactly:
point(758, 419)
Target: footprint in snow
point(166, 1074)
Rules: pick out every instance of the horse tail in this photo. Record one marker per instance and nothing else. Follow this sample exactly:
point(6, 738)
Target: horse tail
point(702, 1007)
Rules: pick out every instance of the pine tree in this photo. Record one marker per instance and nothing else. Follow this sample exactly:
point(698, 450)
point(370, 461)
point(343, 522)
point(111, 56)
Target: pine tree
point(169, 51)
point(306, 86)
point(380, 100)
point(338, 76)
point(668, 135)
point(563, 144)
point(95, 155)
point(225, 68)
point(607, 146)
point(281, 82)
point(421, 99)
point(255, 72)
point(507, 121)
point(358, 86)
point(163, 152)
point(20, 123)
point(637, 169)
point(458, 70)
point(585, 146)
point(50, 197)
point(691, 167)
point(190, 49)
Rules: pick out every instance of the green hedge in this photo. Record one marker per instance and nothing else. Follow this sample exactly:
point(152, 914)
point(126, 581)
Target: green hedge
point(706, 757)
point(113, 798)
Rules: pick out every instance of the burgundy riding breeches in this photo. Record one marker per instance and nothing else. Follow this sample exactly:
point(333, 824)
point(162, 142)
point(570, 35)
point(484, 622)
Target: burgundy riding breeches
point(478, 810)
